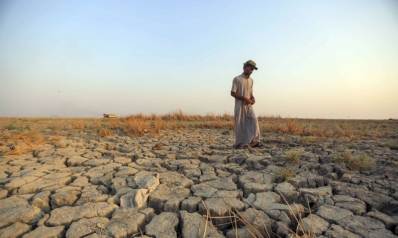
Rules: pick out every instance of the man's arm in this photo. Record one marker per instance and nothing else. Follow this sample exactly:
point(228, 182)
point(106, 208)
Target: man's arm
point(253, 99)
point(237, 96)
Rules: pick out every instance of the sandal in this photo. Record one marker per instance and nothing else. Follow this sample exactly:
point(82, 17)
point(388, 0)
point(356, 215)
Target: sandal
point(238, 147)
point(257, 145)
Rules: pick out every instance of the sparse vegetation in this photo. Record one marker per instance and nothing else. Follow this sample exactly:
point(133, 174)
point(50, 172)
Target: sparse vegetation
point(136, 127)
point(11, 126)
point(105, 132)
point(258, 226)
point(17, 150)
point(78, 125)
point(284, 173)
point(113, 123)
point(392, 144)
point(356, 162)
point(293, 157)
point(29, 135)
point(226, 132)
point(311, 139)
point(35, 132)
point(311, 130)
point(159, 125)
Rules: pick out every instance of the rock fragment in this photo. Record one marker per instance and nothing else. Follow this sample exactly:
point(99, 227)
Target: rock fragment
point(14, 209)
point(194, 225)
point(355, 205)
point(219, 208)
point(14, 231)
point(42, 201)
point(163, 225)
point(312, 225)
point(125, 222)
point(85, 227)
point(333, 214)
point(337, 231)
point(190, 204)
point(66, 215)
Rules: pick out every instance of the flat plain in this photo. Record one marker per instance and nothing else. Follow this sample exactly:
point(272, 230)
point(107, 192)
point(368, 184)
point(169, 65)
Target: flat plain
point(177, 175)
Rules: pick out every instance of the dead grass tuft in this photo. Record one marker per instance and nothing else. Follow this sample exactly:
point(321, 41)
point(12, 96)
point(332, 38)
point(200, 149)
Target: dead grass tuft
point(114, 123)
point(357, 162)
point(311, 139)
point(25, 136)
point(18, 150)
point(78, 125)
point(293, 157)
point(158, 124)
point(311, 130)
point(392, 144)
point(98, 124)
point(258, 228)
point(284, 174)
point(21, 149)
point(54, 139)
point(27, 141)
point(136, 127)
point(105, 132)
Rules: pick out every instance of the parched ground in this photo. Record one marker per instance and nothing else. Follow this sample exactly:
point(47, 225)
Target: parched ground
point(191, 183)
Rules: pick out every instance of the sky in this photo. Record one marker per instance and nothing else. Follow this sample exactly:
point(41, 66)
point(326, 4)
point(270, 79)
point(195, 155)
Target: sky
point(332, 59)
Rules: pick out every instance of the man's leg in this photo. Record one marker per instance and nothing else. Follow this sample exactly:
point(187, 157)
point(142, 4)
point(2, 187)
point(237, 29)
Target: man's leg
point(255, 141)
point(236, 129)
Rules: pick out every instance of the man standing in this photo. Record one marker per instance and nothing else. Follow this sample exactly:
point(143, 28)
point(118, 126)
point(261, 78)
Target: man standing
point(247, 131)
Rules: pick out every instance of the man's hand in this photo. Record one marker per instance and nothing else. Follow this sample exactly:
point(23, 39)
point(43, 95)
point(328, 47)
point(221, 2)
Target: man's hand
point(248, 101)
point(253, 100)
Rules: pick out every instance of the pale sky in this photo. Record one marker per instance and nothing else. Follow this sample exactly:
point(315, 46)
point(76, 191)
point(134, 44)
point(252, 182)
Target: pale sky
point(316, 58)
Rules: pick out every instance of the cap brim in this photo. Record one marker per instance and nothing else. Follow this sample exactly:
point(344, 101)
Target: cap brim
point(254, 67)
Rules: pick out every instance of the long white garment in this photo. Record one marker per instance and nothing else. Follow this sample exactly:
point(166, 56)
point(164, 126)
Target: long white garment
point(246, 123)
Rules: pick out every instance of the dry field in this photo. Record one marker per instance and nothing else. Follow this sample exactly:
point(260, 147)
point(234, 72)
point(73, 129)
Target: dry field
point(177, 175)
point(25, 134)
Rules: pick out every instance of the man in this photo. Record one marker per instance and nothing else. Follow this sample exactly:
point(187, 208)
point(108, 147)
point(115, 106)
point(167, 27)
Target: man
point(247, 131)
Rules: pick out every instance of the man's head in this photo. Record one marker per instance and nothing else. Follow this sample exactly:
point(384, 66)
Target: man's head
point(248, 67)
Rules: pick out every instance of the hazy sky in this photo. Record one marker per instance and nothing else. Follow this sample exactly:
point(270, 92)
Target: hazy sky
point(316, 59)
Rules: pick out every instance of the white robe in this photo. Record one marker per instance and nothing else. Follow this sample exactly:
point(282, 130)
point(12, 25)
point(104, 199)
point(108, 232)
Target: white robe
point(246, 123)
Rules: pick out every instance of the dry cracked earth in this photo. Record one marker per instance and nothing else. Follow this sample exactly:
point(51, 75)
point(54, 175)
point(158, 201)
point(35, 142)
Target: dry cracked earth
point(183, 184)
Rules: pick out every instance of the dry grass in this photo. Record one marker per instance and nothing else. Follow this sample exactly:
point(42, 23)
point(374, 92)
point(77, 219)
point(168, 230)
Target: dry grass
point(392, 144)
point(311, 139)
point(105, 132)
point(352, 129)
point(311, 130)
point(159, 125)
point(25, 136)
point(135, 127)
point(293, 157)
point(284, 174)
point(25, 141)
point(357, 162)
point(258, 229)
point(17, 150)
point(78, 125)
point(114, 123)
